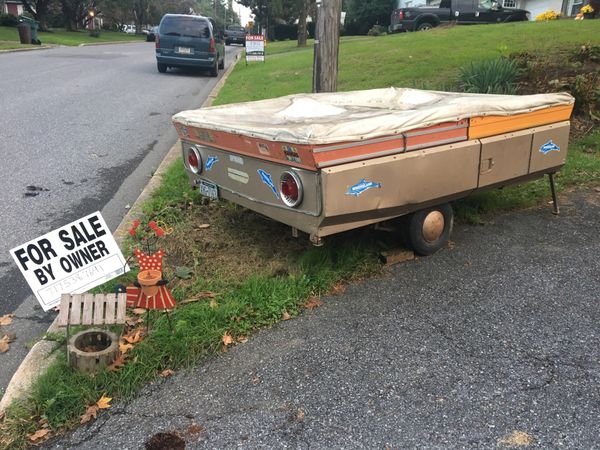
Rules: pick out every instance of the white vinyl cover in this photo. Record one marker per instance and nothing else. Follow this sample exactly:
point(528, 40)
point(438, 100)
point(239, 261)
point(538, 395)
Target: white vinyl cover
point(328, 118)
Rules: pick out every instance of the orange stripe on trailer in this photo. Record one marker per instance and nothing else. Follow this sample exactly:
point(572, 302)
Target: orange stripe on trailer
point(494, 125)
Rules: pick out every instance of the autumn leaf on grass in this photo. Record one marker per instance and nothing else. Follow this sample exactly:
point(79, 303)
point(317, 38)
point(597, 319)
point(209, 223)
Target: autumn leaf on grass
point(199, 296)
point(338, 289)
point(39, 436)
point(139, 311)
point(242, 339)
point(104, 402)
point(117, 364)
point(167, 373)
point(286, 316)
point(90, 413)
point(213, 304)
point(312, 303)
point(6, 319)
point(124, 348)
point(2, 414)
point(227, 339)
point(203, 226)
point(134, 338)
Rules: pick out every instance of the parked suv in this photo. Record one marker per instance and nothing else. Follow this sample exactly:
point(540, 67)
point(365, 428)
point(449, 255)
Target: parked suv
point(189, 41)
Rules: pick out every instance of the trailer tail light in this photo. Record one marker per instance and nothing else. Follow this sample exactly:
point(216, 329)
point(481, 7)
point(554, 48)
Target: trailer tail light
point(400, 15)
point(291, 189)
point(193, 160)
point(156, 40)
point(212, 48)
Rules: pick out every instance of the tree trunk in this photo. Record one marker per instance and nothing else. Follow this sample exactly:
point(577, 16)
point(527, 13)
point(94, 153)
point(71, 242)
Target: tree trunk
point(328, 36)
point(302, 23)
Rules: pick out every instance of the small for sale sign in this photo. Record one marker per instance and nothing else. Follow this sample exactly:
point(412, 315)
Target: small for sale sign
point(70, 260)
point(255, 48)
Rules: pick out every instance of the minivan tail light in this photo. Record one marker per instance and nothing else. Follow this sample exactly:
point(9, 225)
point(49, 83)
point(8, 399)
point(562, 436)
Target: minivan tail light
point(156, 40)
point(401, 15)
point(212, 48)
point(291, 189)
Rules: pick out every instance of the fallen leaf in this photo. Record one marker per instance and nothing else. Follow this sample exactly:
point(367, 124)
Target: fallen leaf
point(2, 414)
point(194, 429)
point(255, 380)
point(4, 347)
point(286, 316)
point(242, 339)
point(139, 311)
point(117, 364)
point(134, 338)
point(517, 439)
point(124, 348)
point(90, 413)
point(203, 226)
point(39, 435)
point(338, 289)
point(104, 402)
point(199, 296)
point(43, 423)
point(6, 319)
point(213, 304)
point(313, 302)
point(167, 373)
point(227, 339)
point(300, 415)
point(597, 189)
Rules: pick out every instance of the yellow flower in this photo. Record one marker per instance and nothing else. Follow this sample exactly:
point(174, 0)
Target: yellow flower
point(587, 9)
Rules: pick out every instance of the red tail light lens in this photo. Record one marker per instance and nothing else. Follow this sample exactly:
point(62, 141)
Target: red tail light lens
point(212, 48)
point(401, 15)
point(291, 189)
point(193, 160)
point(156, 40)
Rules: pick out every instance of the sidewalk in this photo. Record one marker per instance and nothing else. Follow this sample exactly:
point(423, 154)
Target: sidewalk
point(495, 336)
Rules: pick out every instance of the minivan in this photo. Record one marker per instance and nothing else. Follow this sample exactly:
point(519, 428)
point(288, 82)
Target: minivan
point(189, 41)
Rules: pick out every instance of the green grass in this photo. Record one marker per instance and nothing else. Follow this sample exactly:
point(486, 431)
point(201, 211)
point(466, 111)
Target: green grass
point(246, 303)
point(10, 36)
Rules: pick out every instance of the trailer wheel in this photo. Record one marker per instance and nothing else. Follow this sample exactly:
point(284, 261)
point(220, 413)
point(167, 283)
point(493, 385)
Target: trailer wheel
point(429, 229)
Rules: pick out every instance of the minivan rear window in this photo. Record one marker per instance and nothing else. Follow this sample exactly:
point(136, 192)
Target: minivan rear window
point(235, 28)
point(185, 26)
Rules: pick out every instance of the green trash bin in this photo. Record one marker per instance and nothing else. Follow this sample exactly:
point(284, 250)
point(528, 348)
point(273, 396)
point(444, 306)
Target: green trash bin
point(34, 25)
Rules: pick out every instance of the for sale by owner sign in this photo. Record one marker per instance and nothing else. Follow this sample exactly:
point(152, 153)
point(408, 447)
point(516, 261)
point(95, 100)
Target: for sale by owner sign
point(70, 260)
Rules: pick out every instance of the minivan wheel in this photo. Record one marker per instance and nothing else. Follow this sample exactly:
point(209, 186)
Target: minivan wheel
point(214, 72)
point(430, 228)
point(222, 64)
point(162, 68)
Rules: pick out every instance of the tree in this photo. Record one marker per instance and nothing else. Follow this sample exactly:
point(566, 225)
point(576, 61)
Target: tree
point(76, 12)
point(39, 10)
point(328, 34)
point(363, 14)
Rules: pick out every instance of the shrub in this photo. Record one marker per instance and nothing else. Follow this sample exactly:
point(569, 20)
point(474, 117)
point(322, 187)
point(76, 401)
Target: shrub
point(8, 20)
point(377, 30)
point(496, 76)
point(95, 33)
point(548, 15)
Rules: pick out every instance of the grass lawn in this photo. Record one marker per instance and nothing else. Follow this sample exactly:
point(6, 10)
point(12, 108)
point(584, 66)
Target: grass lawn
point(235, 292)
point(10, 36)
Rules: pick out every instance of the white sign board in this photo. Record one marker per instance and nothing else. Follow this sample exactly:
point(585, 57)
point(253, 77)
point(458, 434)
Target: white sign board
point(255, 48)
point(70, 260)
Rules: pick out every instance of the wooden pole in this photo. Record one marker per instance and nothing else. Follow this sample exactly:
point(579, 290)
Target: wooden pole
point(327, 47)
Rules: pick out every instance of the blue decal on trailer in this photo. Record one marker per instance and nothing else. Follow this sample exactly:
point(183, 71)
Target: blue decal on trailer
point(210, 162)
point(266, 178)
point(361, 187)
point(549, 147)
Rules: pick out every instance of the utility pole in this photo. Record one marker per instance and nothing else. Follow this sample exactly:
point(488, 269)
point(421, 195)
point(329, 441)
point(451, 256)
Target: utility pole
point(327, 42)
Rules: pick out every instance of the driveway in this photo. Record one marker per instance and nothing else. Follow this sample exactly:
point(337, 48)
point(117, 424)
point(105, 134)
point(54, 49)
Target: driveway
point(493, 342)
point(82, 130)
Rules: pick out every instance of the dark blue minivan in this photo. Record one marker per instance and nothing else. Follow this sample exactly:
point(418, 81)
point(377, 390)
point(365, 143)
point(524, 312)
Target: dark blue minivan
point(189, 41)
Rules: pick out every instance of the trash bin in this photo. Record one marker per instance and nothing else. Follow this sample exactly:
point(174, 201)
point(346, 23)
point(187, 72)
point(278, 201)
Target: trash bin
point(24, 33)
point(34, 26)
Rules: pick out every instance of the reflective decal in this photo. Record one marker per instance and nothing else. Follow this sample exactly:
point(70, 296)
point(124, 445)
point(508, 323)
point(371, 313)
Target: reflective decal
point(291, 154)
point(210, 162)
point(361, 187)
point(238, 175)
point(549, 147)
point(266, 178)
point(236, 159)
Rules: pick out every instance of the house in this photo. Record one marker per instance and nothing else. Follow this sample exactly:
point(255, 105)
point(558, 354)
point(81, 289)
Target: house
point(13, 7)
point(564, 7)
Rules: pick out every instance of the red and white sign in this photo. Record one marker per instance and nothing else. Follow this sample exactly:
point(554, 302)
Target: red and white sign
point(255, 47)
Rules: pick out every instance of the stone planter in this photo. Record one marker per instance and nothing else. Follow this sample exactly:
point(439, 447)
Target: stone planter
point(93, 349)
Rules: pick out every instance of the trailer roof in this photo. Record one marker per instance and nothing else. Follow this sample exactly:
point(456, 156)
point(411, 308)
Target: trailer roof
point(326, 118)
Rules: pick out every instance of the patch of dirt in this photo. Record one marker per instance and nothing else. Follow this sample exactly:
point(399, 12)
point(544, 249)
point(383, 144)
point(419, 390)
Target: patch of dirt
point(576, 71)
point(165, 441)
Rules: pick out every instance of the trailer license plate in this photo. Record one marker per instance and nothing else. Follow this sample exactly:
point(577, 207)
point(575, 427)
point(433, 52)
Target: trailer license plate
point(184, 50)
point(208, 189)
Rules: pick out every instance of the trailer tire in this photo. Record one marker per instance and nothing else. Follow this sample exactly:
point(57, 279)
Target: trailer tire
point(430, 228)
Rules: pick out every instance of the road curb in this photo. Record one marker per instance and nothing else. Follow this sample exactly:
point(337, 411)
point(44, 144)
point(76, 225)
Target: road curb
point(42, 354)
point(28, 49)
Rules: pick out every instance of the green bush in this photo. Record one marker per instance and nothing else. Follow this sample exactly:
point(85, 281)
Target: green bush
point(496, 76)
point(8, 20)
point(377, 30)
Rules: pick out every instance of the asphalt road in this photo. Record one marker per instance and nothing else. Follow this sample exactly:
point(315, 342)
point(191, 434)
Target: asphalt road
point(82, 129)
point(497, 335)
